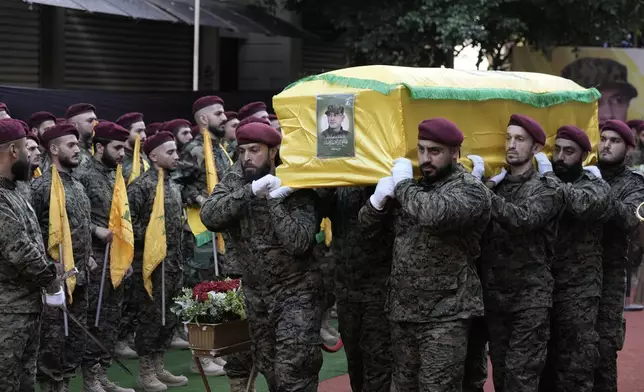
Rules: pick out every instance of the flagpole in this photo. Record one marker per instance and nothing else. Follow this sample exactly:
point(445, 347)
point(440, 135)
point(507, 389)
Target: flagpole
point(100, 292)
point(214, 253)
point(60, 259)
point(163, 293)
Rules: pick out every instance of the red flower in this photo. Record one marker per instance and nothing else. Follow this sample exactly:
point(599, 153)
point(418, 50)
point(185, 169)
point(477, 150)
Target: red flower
point(200, 291)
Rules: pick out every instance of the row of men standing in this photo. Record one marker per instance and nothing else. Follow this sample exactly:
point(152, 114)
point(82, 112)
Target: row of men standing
point(85, 153)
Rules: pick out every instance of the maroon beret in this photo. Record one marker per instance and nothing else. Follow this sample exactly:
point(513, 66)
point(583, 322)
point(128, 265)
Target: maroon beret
point(258, 132)
point(11, 130)
point(60, 120)
point(128, 119)
point(623, 130)
point(173, 126)
point(206, 101)
point(24, 126)
point(576, 135)
point(153, 128)
point(32, 135)
point(111, 131)
point(40, 117)
point(272, 117)
point(196, 130)
point(4, 108)
point(57, 131)
point(440, 130)
point(637, 125)
point(79, 108)
point(156, 140)
point(231, 116)
point(249, 120)
point(531, 126)
point(251, 109)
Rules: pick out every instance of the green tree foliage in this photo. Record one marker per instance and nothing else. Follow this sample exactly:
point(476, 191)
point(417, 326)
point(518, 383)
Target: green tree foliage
point(426, 32)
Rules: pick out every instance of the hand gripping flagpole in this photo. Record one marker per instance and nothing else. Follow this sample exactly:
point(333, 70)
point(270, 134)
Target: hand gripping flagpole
point(214, 253)
point(100, 292)
point(60, 259)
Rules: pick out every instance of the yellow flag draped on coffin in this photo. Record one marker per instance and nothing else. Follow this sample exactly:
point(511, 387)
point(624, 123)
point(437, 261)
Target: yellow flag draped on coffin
point(60, 234)
point(122, 246)
point(155, 246)
point(136, 161)
point(387, 104)
point(194, 219)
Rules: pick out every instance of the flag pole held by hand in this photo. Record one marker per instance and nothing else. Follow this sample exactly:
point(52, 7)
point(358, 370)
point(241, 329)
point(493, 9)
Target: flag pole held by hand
point(60, 259)
point(100, 292)
point(214, 253)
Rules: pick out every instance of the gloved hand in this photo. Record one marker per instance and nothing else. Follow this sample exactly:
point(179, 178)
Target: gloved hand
point(384, 190)
point(56, 300)
point(478, 166)
point(543, 163)
point(280, 192)
point(265, 185)
point(402, 170)
point(499, 177)
point(594, 170)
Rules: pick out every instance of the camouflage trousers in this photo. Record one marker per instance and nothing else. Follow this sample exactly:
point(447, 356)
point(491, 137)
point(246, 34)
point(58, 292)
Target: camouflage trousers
point(60, 356)
point(476, 361)
point(20, 337)
point(572, 350)
point(285, 334)
point(128, 322)
point(152, 336)
point(611, 327)
point(365, 332)
point(109, 321)
point(429, 357)
point(518, 347)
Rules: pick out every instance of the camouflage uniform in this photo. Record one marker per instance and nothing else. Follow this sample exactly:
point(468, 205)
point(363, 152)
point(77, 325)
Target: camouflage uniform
point(362, 267)
point(517, 284)
point(434, 289)
point(274, 240)
point(24, 189)
point(98, 181)
point(60, 356)
point(151, 337)
point(24, 272)
point(86, 158)
point(128, 162)
point(627, 192)
point(577, 272)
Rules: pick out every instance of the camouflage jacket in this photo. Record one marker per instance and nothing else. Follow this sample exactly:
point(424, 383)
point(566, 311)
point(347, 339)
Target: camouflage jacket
point(86, 157)
point(193, 156)
point(518, 245)
point(362, 259)
point(128, 161)
point(24, 266)
point(438, 228)
point(24, 188)
point(627, 192)
point(577, 262)
point(98, 181)
point(78, 208)
point(140, 194)
point(274, 239)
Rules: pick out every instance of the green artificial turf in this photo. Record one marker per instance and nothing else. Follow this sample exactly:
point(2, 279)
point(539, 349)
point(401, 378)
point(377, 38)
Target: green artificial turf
point(178, 362)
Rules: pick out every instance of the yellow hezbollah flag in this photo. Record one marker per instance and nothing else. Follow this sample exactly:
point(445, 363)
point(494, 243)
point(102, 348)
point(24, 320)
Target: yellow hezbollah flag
point(194, 220)
point(379, 108)
point(59, 231)
point(122, 247)
point(37, 173)
point(136, 160)
point(155, 247)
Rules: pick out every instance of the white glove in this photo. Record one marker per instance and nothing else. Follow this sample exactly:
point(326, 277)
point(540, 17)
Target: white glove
point(384, 190)
point(499, 177)
point(55, 300)
point(265, 185)
point(402, 170)
point(478, 166)
point(280, 192)
point(594, 170)
point(543, 163)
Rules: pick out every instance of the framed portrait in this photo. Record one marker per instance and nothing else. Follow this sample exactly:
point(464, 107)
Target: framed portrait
point(335, 126)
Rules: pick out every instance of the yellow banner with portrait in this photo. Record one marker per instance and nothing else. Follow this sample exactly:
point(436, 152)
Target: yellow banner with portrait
point(618, 74)
point(346, 127)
